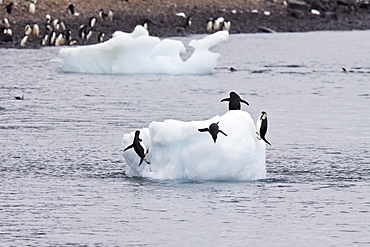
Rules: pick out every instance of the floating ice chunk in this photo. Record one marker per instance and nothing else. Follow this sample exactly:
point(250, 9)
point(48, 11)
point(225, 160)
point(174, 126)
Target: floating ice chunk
point(139, 53)
point(177, 150)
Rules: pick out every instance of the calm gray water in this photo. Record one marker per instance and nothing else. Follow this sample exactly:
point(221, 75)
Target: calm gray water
point(61, 170)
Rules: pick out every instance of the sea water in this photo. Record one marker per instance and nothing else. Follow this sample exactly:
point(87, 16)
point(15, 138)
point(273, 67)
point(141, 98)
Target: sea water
point(62, 180)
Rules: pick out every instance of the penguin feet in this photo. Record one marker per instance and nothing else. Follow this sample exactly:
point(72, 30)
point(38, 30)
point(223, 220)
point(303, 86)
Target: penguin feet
point(258, 136)
point(147, 151)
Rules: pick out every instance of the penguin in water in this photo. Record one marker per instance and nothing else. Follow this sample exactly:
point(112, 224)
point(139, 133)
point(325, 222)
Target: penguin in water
point(138, 148)
point(19, 98)
point(262, 127)
point(213, 129)
point(234, 101)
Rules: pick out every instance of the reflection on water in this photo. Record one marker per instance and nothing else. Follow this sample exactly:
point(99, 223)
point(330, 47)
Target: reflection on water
point(61, 166)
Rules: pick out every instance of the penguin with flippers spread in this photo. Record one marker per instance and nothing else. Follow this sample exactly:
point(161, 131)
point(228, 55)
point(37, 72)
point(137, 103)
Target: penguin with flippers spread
point(138, 148)
point(234, 101)
point(213, 129)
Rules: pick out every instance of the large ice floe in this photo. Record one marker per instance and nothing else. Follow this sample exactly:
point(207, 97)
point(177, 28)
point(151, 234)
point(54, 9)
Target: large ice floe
point(139, 53)
point(178, 150)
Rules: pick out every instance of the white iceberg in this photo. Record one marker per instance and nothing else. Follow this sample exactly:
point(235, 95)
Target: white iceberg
point(139, 53)
point(177, 150)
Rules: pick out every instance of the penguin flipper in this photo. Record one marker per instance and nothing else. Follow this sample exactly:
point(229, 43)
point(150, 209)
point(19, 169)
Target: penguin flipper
point(203, 130)
point(266, 141)
point(131, 146)
point(245, 102)
point(226, 99)
point(222, 132)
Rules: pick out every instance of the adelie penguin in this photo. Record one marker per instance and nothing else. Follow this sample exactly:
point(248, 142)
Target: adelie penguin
point(234, 101)
point(213, 129)
point(138, 148)
point(262, 127)
point(71, 9)
point(19, 98)
point(9, 8)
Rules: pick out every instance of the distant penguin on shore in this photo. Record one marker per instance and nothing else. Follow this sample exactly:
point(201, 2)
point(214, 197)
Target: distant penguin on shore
point(6, 22)
point(92, 22)
point(9, 8)
point(209, 25)
point(36, 30)
point(138, 148)
point(261, 126)
point(110, 15)
point(48, 18)
point(227, 25)
point(24, 41)
point(27, 30)
point(71, 9)
point(60, 40)
point(102, 15)
point(32, 8)
point(213, 129)
point(234, 101)
point(101, 37)
point(8, 31)
point(52, 38)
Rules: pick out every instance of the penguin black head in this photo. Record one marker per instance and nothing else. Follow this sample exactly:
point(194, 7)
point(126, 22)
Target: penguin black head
point(233, 94)
point(137, 138)
point(137, 133)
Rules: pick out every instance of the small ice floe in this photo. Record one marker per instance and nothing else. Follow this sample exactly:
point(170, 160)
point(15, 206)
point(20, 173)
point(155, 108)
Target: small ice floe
point(178, 150)
point(139, 53)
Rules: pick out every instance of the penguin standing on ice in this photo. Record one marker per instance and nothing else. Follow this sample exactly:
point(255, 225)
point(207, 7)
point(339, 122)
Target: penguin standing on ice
point(262, 127)
point(213, 129)
point(138, 148)
point(234, 101)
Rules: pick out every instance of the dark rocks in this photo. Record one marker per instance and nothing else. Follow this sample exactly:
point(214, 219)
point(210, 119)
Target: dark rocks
point(162, 21)
point(4, 37)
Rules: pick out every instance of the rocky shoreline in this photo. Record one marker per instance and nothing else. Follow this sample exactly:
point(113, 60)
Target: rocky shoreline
point(171, 18)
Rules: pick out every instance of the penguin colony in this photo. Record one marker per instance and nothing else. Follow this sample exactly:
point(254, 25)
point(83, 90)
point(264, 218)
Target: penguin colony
point(234, 104)
point(51, 31)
